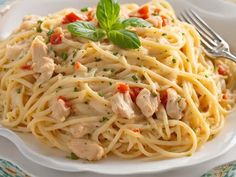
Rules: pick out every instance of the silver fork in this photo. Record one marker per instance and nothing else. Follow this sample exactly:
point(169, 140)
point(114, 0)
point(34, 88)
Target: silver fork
point(214, 45)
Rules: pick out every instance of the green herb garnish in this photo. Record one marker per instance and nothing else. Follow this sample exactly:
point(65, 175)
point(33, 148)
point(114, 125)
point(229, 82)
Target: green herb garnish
point(18, 90)
point(76, 89)
point(173, 60)
point(164, 34)
point(64, 55)
point(50, 32)
point(72, 156)
point(104, 119)
point(39, 29)
point(85, 9)
point(134, 77)
point(110, 26)
point(98, 59)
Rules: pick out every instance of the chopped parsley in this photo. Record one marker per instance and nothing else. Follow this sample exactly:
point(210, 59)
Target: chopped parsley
point(101, 94)
point(39, 29)
point(104, 119)
point(72, 156)
point(85, 9)
point(98, 59)
point(110, 83)
point(206, 76)
point(115, 53)
point(75, 52)
point(18, 90)
point(76, 89)
point(50, 32)
point(173, 60)
point(105, 69)
point(64, 55)
point(89, 69)
point(154, 94)
point(187, 60)
point(134, 77)
point(72, 63)
point(164, 34)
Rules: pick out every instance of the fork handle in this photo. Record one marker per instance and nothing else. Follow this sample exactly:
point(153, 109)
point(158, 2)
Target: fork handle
point(230, 56)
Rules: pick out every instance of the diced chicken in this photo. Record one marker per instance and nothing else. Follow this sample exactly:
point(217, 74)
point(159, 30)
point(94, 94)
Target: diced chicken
point(147, 103)
point(175, 104)
point(220, 84)
point(82, 129)
point(13, 52)
point(29, 22)
point(41, 63)
point(161, 112)
point(122, 105)
point(59, 110)
point(155, 20)
point(86, 149)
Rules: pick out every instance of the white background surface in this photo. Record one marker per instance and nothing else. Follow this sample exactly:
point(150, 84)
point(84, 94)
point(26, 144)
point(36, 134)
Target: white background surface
point(220, 15)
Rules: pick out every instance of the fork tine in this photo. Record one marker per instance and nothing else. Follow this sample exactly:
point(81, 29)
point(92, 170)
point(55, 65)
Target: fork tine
point(201, 30)
point(206, 44)
point(206, 26)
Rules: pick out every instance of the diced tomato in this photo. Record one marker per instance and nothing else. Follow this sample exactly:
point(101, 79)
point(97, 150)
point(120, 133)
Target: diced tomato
point(77, 65)
point(70, 18)
point(26, 67)
point(122, 88)
point(90, 15)
point(157, 11)
point(136, 130)
point(164, 97)
point(144, 12)
point(165, 20)
point(66, 101)
point(225, 96)
point(134, 91)
point(56, 38)
point(222, 70)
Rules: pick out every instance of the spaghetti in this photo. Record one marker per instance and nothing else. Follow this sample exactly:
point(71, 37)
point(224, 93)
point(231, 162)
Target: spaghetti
point(163, 100)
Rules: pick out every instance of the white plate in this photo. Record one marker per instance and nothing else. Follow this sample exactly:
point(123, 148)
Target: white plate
point(220, 15)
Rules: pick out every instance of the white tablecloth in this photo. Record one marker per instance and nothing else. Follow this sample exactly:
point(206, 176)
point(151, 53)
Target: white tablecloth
point(9, 151)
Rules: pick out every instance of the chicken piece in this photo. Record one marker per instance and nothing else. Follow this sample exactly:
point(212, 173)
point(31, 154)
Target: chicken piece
point(122, 105)
point(155, 20)
point(86, 149)
point(59, 110)
point(41, 63)
point(13, 52)
point(147, 103)
point(175, 104)
point(82, 129)
point(29, 22)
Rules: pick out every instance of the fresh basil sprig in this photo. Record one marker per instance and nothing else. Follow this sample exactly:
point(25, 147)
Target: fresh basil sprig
point(111, 26)
point(86, 30)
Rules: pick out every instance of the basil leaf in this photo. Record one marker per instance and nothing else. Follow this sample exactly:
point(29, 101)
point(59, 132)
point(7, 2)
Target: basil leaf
point(136, 22)
point(107, 13)
point(124, 39)
point(117, 26)
point(86, 30)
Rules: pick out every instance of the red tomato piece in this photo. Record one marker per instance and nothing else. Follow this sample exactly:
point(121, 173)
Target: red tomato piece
point(144, 12)
point(70, 18)
point(134, 91)
point(77, 65)
point(56, 38)
point(122, 88)
point(222, 70)
point(225, 96)
point(26, 67)
point(90, 15)
point(164, 97)
point(136, 130)
point(165, 20)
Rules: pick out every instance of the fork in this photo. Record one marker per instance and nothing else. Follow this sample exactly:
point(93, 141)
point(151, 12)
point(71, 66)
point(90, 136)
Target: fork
point(214, 45)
